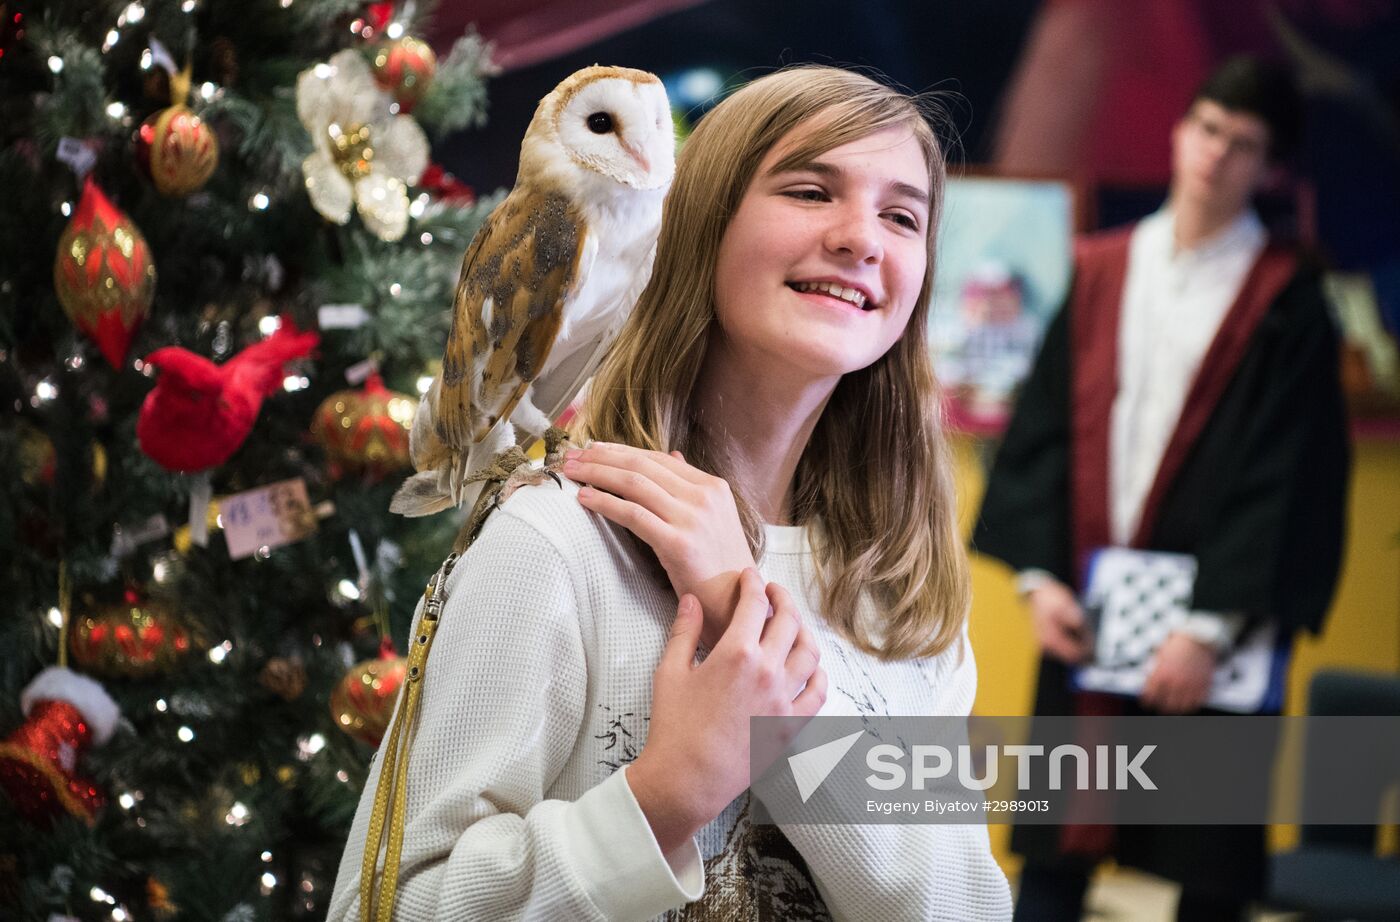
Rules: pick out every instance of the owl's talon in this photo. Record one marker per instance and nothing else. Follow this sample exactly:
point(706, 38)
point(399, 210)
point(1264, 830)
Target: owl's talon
point(559, 483)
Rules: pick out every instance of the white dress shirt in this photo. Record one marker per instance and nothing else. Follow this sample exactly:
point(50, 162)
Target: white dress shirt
point(1174, 300)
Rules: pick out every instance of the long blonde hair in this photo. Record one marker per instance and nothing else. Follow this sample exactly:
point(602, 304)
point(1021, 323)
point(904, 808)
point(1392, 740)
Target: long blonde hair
point(877, 471)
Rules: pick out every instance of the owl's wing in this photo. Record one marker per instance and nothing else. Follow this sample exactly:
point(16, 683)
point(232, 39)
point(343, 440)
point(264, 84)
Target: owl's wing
point(517, 275)
point(558, 389)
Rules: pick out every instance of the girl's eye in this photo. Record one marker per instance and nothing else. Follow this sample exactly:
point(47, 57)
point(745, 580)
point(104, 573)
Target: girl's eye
point(904, 220)
point(806, 195)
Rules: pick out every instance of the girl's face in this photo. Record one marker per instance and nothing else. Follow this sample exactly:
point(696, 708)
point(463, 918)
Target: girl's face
point(820, 267)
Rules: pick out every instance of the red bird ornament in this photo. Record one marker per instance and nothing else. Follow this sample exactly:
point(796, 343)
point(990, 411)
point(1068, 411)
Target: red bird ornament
point(199, 413)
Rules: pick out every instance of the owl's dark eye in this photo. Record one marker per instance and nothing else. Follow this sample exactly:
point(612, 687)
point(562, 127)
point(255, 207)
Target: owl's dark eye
point(600, 123)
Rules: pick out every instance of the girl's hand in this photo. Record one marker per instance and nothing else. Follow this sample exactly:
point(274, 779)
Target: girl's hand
point(687, 516)
point(696, 757)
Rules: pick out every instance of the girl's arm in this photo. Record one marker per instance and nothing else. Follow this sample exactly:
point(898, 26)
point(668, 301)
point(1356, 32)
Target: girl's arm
point(503, 703)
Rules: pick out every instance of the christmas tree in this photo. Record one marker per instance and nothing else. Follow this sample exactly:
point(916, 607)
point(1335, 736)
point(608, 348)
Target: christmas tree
point(226, 264)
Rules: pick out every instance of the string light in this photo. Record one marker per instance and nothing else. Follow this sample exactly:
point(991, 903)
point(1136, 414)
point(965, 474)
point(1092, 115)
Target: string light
point(395, 30)
point(259, 201)
point(308, 746)
point(295, 383)
point(55, 63)
point(349, 590)
point(268, 882)
point(135, 13)
point(426, 238)
point(269, 324)
point(266, 856)
point(323, 71)
point(185, 734)
point(55, 617)
point(161, 705)
point(127, 801)
point(101, 896)
point(187, 6)
point(425, 383)
point(116, 110)
point(420, 204)
point(146, 59)
point(218, 654)
point(238, 815)
point(112, 37)
point(395, 290)
point(46, 390)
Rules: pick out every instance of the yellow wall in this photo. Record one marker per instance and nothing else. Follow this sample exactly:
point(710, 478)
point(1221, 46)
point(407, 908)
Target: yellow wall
point(1363, 631)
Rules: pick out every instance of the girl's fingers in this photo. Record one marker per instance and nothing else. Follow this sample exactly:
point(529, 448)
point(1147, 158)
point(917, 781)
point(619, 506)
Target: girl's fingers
point(782, 628)
point(634, 517)
point(674, 465)
point(811, 699)
point(750, 614)
point(644, 463)
point(630, 485)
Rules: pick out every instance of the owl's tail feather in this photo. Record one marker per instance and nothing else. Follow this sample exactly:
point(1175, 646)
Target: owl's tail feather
point(421, 494)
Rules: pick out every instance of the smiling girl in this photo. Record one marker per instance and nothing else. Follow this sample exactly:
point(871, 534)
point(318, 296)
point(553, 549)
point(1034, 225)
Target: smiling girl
point(770, 400)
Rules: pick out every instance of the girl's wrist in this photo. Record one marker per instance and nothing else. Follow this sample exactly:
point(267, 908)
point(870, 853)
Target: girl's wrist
point(673, 822)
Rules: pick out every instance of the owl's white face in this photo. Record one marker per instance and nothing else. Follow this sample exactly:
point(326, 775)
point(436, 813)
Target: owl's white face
point(622, 129)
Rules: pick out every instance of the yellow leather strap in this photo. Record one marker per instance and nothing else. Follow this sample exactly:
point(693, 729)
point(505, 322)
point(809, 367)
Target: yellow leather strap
point(391, 794)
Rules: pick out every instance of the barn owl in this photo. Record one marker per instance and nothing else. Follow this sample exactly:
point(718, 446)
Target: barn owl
point(547, 281)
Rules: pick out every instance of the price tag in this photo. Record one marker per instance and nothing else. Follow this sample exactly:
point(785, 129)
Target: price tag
point(360, 371)
point(125, 540)
point(269, 517)
point(77, 155)
point(342, 316)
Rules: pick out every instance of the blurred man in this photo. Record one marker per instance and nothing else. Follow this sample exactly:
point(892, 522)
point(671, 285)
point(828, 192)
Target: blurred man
point(1185, 400)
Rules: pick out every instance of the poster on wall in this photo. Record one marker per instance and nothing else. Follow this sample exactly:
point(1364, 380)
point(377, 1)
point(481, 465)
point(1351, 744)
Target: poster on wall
point(1004, 258)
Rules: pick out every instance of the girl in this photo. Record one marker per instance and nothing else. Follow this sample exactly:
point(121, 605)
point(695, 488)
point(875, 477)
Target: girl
point(770, 399)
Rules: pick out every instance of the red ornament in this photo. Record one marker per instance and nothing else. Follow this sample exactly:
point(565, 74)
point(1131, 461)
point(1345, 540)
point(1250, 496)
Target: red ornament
point(365, 431)
point(11, 28)
point(103, 273)
point(363, 703)
point(64, 714)
point(405, 68)
point(136, 639)
point(380, 15)
point(199, 413)
point(445, 187)
point(176, 150)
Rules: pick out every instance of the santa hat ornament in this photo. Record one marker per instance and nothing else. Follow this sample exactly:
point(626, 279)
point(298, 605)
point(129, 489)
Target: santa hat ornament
point(64, 713)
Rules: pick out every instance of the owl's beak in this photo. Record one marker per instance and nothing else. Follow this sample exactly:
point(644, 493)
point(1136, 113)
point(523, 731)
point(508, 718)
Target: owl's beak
point(639, 157)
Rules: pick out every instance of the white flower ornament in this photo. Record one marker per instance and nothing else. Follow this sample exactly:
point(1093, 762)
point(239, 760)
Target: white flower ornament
point(364, 156)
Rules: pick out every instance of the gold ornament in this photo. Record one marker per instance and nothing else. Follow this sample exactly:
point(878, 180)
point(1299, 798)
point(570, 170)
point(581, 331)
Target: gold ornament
point(174, 147)
point(134, 639)
point(285, 678)
point(351, 150)
point(365, 431)
point(177, 150)
point(38, 459)
point(363, 702)
point(405, 67)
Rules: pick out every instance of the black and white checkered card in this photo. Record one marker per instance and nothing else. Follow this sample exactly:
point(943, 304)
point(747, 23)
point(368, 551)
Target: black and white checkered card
point(1135, 599)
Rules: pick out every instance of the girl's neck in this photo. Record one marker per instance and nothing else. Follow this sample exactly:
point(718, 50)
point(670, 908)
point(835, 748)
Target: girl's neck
point(764, 420)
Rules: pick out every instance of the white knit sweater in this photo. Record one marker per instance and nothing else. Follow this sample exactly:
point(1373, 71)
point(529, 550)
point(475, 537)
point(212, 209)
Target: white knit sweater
point(537, 694)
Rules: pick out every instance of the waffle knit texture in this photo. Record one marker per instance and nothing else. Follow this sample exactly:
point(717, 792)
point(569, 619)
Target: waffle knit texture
point(537, 694)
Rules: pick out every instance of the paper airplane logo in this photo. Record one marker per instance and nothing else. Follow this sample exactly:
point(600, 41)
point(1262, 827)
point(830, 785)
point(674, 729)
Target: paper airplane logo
point(810, 768)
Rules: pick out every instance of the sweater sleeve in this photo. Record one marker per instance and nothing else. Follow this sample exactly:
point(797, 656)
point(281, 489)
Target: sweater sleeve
point(916, 871)
point(502, 705)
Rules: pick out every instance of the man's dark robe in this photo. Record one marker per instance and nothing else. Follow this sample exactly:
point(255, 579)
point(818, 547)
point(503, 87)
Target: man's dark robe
point(1252, 483)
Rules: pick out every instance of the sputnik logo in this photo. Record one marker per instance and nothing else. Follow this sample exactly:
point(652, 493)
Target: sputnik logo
point(811, 768)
